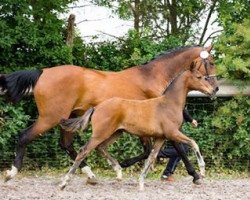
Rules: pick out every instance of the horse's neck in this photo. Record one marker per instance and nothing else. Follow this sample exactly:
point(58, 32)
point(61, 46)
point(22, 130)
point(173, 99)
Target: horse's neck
point(170, 67)
point(163, 70)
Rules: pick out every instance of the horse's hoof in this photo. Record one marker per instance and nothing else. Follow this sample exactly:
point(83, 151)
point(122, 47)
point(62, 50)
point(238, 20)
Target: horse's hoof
point(197, 181)
point(118, 179)
point(62, 186)
point(7, 178)
point(141, 188)
point(92, 181)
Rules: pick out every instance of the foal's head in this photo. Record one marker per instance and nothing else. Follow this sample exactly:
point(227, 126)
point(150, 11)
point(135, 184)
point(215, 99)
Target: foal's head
point(196, 81)
point(205, 64)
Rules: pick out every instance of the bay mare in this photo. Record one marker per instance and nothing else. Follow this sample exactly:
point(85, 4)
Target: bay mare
point(64, 91)
point(160, 118)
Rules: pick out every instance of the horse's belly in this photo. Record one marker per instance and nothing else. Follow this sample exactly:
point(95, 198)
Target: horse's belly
point(142, 130)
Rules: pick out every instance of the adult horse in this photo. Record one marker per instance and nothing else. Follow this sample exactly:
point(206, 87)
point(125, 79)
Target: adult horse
point(65, 90)
point(159, 117)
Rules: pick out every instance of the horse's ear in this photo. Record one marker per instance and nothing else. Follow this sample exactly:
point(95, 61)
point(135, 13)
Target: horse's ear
point(209, 48)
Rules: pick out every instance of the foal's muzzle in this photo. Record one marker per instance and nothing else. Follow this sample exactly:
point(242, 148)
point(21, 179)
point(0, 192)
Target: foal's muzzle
point(213, 82)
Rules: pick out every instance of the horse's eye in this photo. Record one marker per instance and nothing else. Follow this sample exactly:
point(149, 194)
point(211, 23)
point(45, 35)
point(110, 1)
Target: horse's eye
point(199, 77)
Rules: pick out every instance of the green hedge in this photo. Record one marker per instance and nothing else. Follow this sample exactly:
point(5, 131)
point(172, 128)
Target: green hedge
point(222, 134)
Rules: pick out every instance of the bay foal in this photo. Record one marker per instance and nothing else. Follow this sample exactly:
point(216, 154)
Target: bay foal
point(160, 118)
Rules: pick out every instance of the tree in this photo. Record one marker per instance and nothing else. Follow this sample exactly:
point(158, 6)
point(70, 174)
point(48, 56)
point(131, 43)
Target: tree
point(160, 19)
point(31, 34)
point(234, 43)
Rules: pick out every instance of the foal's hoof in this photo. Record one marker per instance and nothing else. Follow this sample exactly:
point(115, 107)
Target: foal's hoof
point(62, 186)
point(7, 178)
point(118, 179)
point(92, 181)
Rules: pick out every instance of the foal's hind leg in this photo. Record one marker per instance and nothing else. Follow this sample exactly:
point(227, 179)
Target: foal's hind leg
point(102, 148)
point(157, 146)
point(66, 143)
point(26, 136)
point(85, 150)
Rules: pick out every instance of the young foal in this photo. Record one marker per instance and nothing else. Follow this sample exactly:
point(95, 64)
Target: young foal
point(159, 117)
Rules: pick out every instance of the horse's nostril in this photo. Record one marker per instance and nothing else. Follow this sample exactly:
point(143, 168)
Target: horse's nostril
point(217, 89)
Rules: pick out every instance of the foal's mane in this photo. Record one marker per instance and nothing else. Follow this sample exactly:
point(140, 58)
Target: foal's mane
point(170, 53)
point(172, 82)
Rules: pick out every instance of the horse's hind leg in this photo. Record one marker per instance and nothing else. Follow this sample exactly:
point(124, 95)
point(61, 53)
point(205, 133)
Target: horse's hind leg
point(26, 136)
point(66, 143)
point(147, 146)
point(102, 148)
point(157, 146)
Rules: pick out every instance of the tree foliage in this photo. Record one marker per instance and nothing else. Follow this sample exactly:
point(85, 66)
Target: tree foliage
point(159, 19)
point(31, 34)
point(234, 46)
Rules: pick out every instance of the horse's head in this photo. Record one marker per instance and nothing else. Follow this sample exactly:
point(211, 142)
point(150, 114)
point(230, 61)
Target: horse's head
point(197, 81)
point(205, 64)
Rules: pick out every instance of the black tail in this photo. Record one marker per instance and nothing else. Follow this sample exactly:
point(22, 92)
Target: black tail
point(19, 83)
point(74, 124)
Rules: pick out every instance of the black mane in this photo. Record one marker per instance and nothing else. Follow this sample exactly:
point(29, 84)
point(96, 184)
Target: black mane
point(170, 53)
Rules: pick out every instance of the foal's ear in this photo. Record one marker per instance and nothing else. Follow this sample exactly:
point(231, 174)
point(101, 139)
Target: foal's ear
point(192, 67)
point(209, 48)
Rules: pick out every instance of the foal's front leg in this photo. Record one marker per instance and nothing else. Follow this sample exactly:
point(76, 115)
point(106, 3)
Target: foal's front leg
point(180, 137)
point(157, 146)
point(190, 169)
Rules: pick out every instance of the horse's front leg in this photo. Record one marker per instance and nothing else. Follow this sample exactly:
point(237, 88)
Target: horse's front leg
point(180, 137)
point(66, 143)
point(151, 158)
point(190, 169)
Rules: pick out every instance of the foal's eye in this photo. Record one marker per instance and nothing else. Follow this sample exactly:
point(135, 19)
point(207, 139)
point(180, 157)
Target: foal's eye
point(199, 77)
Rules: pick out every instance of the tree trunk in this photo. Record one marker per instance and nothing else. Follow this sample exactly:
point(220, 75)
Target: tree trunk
point(70, 30)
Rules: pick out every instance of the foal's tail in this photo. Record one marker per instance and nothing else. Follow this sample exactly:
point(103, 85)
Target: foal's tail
point(18, 84)
point(81, 123)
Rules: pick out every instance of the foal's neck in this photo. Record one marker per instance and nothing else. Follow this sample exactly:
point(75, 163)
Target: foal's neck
point(177, 91)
